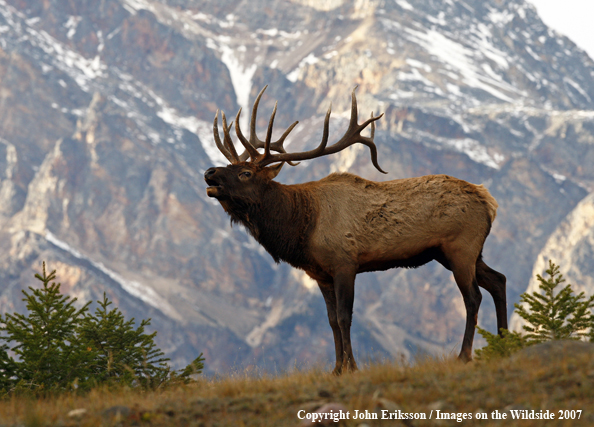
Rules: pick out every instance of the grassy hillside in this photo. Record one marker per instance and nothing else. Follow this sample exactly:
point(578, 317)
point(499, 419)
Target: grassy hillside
point(546, 378)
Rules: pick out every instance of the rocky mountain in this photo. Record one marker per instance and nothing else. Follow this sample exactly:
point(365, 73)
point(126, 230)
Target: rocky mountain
point(106, 112)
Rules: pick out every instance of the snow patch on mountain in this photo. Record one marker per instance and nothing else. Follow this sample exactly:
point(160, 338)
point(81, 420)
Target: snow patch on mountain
point(241, 78)
point(463, 60)
point(308, 60)
point(134, 6)
point(82, 70)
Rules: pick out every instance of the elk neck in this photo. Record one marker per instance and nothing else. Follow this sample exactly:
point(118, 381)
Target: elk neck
point(282, 220)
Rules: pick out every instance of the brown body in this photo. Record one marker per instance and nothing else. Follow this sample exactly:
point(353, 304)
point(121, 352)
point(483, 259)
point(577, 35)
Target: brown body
point(381, 225)
point(343, 225)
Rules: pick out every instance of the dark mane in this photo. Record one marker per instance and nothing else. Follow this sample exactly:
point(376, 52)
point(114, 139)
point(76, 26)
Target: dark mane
point(285, 229)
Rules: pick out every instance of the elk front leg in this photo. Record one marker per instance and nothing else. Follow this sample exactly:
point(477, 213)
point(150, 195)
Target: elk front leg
point(330, 299)
point(344, 288)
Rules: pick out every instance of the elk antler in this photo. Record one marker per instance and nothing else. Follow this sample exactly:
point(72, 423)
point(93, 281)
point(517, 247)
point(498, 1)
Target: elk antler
point(251, 145)
point(351, 136)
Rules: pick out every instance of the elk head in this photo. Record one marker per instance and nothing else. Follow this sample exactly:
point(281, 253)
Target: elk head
point(247, 175)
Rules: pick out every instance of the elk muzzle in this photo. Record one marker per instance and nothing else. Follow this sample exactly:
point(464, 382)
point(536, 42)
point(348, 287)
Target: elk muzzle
point(214, 187)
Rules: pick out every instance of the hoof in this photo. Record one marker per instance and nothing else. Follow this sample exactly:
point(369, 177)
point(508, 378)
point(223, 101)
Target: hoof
point(465, 358)
point(353, 367)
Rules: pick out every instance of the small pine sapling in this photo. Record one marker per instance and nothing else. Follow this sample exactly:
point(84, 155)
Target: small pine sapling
point(503, 345)
point(549, 315)
point(555, 316)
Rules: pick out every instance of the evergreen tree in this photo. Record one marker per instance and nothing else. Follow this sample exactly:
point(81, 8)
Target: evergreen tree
point(555, 315)
point(59, 347)
point(48, 347)
point(549, 315)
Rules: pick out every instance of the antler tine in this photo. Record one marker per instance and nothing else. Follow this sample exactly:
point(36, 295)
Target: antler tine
point(351, 136)
point(278, 144)
point(354, 112)
point(326, 131)
point(250, 150)
point(227, 140)
point(370, 142)
point(217, 138)
point(269, 132)
point(253, 137)
point(253, 143)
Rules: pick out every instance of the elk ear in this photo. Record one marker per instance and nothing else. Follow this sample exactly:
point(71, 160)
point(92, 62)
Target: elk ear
point(273, 171)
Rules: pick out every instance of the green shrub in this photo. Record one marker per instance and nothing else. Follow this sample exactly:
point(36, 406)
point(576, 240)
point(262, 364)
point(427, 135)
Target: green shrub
point(549, 315)
point(59, 347)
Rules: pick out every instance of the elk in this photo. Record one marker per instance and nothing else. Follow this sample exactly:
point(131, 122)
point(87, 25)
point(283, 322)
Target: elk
point(342, 225)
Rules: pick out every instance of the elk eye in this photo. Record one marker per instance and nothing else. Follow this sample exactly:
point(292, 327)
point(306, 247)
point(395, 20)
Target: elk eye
point(245, 174)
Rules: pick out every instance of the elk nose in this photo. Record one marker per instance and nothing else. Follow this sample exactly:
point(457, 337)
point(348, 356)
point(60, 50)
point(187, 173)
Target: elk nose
point(209, 173)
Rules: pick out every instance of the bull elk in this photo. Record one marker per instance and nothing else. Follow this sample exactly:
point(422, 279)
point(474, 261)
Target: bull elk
point(342, 225)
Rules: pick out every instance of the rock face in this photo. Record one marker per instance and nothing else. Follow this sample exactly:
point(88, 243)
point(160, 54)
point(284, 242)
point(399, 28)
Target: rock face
point(105, 132)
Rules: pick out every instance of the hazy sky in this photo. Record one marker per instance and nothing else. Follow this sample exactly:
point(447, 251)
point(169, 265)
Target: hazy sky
point(572, 18)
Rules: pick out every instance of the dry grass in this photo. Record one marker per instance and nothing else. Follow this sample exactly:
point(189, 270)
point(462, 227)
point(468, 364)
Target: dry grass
point(243, 400)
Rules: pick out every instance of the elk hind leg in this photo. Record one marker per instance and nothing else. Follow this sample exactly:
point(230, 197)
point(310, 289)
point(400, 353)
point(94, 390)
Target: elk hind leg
point(330, 299)
point(465, 276)
point(494, 283)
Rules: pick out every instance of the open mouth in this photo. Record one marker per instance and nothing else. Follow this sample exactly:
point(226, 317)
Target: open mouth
point(213, 188)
